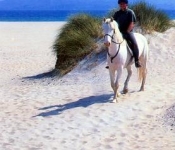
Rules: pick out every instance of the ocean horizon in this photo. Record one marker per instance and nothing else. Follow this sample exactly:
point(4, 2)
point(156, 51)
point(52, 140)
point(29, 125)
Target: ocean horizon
point(55, 15)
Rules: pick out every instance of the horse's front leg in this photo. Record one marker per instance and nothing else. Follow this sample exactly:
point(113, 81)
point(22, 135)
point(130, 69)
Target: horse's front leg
point(125, 89)
point(112, 78)
point(116, 92)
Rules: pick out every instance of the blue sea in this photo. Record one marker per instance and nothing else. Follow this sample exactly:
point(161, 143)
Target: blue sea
point(58, 15)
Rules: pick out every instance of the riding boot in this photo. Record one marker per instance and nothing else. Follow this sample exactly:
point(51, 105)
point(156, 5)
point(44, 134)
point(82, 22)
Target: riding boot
point(137, 62)
point(135, 51)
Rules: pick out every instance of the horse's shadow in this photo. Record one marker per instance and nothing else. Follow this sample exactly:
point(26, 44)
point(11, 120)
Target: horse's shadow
point(84, 102)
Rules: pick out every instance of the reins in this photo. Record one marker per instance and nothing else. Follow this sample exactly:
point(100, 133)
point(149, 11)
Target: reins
point(112, 37)
point(112, 57)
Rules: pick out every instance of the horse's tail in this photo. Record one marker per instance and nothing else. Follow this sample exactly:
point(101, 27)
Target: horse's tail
point(142, 71)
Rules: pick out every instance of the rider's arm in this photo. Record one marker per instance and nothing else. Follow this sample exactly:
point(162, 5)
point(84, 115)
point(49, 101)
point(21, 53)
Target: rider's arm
point(130, 27)
point(132, 20)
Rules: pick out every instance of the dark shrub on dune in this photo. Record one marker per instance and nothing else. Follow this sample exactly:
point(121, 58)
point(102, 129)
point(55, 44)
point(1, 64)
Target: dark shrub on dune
point(149, 18)
point(77, 39)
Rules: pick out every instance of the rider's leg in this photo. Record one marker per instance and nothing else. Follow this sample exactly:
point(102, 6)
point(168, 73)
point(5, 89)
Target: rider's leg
point(134, 47)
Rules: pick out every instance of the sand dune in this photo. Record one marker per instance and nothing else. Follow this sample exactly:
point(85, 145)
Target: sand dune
point(39, 112)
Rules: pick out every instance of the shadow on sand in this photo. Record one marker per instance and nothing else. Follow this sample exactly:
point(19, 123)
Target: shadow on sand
point(84, 102)
point(49, 74)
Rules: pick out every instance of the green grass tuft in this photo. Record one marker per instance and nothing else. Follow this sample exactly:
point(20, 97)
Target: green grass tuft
point(151, 19)
point(148, 17)
point(76, 39)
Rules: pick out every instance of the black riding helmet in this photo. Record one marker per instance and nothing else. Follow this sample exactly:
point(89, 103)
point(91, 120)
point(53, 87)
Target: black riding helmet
point(123, 1)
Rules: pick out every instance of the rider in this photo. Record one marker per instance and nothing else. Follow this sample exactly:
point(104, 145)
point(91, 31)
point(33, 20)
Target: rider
point(126, 18)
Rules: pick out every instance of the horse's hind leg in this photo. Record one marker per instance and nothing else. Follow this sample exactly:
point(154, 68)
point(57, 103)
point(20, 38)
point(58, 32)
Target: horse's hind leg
point(144, 73)
point(125, 89)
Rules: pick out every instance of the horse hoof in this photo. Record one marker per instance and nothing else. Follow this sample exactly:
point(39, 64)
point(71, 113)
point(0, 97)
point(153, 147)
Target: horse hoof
point(141, 90)
point(114, 101)
point(125, 91)
point(118, 94)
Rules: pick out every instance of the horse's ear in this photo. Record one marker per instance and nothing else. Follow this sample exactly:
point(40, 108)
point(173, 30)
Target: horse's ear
point(112, 19)
point(104, 19)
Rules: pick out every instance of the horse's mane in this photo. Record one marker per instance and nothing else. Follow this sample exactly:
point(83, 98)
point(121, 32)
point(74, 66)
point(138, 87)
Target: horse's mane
point(114, 25)
point(117, 31)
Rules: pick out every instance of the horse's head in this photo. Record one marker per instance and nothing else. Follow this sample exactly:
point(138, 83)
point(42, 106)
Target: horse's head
point(110, 31)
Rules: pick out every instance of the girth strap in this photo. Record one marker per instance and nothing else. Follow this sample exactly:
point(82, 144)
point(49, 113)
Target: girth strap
point(112, 57)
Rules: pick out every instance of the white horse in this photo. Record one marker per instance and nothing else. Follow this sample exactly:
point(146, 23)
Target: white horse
point(120, 57)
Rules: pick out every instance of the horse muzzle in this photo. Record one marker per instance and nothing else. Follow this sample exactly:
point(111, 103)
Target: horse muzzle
point(107, 44)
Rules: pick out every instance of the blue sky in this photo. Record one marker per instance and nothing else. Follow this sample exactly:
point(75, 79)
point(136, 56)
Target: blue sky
point(74, 4)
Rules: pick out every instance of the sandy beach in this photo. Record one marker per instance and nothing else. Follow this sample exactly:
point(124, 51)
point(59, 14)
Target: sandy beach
point(39, 112)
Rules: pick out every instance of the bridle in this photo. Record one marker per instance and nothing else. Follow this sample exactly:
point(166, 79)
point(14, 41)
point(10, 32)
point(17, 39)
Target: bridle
point(112, 37)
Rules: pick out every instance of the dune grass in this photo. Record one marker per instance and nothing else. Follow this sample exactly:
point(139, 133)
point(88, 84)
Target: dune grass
point(148, 17)
point(151, 19)
point(79, 35)
point(76, 39)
